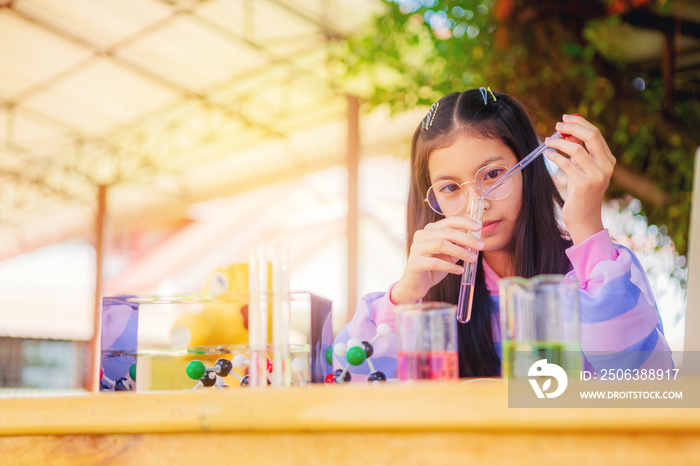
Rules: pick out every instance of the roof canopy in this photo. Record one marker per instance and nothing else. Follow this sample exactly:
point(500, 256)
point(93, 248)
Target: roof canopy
point(139, 95)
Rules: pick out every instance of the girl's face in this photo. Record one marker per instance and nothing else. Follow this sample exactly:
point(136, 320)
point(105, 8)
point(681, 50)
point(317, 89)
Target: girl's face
point(460, 162)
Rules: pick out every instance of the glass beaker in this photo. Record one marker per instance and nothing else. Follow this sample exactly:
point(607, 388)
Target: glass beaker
point(427, 341)
point(539, 320)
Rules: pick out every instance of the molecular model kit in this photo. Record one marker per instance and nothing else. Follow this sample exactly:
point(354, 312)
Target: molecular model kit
point(215, 376)
point(356, 352)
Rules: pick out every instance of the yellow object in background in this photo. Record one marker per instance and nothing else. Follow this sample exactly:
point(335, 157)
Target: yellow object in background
point(224, 322)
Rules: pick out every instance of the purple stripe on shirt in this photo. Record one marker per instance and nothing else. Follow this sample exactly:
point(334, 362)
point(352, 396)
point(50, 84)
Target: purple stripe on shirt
point(618, 295)
point(619, 333)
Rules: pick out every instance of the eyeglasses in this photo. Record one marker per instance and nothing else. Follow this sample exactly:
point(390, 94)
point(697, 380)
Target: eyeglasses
point(447, 197)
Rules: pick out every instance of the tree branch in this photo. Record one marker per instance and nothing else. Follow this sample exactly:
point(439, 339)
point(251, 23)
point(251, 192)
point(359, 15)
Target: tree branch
point(640, 186)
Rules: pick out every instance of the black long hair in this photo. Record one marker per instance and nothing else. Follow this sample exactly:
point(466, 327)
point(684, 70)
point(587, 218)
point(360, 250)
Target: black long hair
point(540, 246)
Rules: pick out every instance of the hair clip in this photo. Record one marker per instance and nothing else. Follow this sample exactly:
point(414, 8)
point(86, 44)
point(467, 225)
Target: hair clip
point(485, 91)
point(430, 117)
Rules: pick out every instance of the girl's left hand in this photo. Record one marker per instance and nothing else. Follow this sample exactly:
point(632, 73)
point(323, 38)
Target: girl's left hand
point(589, 166)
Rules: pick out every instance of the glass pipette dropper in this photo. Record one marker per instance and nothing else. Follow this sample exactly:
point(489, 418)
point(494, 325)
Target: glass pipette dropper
point(466, 286)
point(519, 166)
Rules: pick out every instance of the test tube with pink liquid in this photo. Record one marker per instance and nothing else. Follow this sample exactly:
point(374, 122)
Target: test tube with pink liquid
point(466, 286)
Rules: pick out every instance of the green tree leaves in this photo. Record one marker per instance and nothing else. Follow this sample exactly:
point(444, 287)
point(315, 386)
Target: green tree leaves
point(556, 57)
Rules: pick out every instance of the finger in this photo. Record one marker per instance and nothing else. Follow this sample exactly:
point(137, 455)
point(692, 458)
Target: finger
point(581, 132)
point(437, 264)
point(566, 165)
point(582, 157)
point(442, 262)
point(576, 118)
point(458, 237)
point(442, 246)
point(456, 221)
point(578, 154)
point(571, 138)
point(588, 134)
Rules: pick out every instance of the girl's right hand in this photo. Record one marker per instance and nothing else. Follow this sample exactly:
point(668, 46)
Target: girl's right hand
point(434, 253)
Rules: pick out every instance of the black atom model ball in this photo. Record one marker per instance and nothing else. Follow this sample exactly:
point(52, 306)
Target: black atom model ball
point(376, 377)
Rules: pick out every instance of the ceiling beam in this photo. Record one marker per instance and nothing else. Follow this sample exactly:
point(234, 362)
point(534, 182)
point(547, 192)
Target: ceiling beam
point(112, 55)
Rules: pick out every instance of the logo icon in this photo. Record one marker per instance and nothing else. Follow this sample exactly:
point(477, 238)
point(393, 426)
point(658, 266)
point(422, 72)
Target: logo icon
point(543, 369)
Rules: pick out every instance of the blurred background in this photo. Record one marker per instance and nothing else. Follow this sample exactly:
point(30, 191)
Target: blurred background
point(146, 143)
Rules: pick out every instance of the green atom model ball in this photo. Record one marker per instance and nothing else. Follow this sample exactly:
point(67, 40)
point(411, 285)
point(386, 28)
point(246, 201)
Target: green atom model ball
point(356, 355)
point(329, 355)
point(196, 370)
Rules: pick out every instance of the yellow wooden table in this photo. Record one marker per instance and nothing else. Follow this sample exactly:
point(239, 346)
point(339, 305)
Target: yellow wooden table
point(423, 423)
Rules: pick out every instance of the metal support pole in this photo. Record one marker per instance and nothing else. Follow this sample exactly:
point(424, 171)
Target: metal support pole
point(353, 158)
point(92, 382)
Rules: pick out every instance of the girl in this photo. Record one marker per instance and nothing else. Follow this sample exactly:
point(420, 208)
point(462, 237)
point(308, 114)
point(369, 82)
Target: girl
point(472, 133)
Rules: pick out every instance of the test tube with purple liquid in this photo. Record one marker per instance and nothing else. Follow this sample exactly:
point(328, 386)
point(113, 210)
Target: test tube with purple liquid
point(466, 286)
